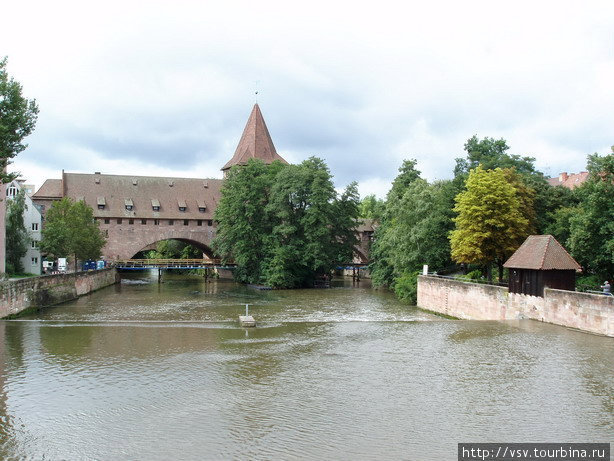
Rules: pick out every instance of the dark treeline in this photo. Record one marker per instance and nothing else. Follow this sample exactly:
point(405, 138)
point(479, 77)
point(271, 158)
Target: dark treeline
point(481, 216)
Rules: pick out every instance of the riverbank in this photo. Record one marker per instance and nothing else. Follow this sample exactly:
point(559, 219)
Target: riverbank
point(17, 296)
point(592, 313)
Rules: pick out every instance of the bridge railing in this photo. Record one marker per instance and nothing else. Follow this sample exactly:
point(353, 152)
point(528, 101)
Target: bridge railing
point(188, 263)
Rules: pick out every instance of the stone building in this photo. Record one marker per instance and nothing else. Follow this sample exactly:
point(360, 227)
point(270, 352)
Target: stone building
point(570, 181)
point(136, 212)
point(32, 220)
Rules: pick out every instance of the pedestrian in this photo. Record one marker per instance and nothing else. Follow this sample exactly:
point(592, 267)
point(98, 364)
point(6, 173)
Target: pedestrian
point(606, 288)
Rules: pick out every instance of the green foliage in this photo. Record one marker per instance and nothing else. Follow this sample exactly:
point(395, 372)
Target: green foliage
point(591, 223)
point(174, 249)
point(490, 224)
point(18, 117)
point(589, 283)
point(371, 208)
point(284, 225)
point(70, 229)
point(406, 287)
point(17, 239)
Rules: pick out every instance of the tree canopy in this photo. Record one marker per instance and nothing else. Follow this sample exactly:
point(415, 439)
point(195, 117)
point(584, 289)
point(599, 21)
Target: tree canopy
point(285, 225)
point(490, 224)
point(70, 229)
point(18, 117)
point(17, 239)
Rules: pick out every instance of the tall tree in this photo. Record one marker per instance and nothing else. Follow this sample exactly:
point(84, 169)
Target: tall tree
point(591, 239)
point(371, 208)
point(490, 224)
point(17, 120)
point(71, 230)
point(17, 239)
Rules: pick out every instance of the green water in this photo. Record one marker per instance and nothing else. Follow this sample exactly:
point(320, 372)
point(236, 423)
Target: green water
point(155, 372)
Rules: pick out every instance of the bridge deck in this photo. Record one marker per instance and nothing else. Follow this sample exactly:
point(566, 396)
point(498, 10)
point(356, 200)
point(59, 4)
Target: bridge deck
point(143, 264)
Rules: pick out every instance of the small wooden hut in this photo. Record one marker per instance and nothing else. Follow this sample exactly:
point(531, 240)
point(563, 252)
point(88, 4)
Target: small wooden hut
point(541, 262)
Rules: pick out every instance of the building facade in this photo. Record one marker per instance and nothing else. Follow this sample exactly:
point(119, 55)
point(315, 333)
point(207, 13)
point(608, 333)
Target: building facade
point(33, 220)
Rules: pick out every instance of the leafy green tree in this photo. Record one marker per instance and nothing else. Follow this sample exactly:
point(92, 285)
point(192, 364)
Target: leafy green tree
point(18, 117)
point(490, 224)
point(17, 239)
point(70, 229)
point(174, 249)
point(313, 229)
point(371, 208)
point(284, 225)
point(591, 238)
point(244, 224)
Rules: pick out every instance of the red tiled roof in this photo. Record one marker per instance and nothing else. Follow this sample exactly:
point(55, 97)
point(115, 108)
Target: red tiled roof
point(50, 188)
point(142, 193)
point(255, 142)
point(541, 252)
point(569, 180)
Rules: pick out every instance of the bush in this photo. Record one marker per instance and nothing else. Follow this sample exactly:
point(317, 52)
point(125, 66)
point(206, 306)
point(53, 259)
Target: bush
point(588, 282)
point(406, 287)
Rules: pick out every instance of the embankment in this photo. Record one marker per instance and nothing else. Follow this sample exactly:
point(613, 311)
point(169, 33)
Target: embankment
point(37, 292)
point(464, 300)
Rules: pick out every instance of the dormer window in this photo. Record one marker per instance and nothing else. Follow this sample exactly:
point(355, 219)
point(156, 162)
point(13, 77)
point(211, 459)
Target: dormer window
point(11, 191)
point(102, 203)
point(129, 204)
point(155, 204)
point(182, 205)
point(201, 205)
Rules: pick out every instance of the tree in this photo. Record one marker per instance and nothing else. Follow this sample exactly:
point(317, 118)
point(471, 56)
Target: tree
point(490, 225)
point(18, 117)
point(591, 238)
point(70, 229)
point(244, 225)
point(17, 239)
point(284, 225)
point(371, 208)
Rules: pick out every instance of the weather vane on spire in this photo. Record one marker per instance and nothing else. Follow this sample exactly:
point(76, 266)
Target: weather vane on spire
point(256, 91)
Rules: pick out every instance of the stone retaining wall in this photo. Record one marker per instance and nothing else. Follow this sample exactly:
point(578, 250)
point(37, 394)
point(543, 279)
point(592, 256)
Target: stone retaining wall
point(465, 300)
point(37, 292)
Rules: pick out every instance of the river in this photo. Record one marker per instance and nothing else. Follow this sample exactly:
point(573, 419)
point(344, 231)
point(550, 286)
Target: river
point(147, 371)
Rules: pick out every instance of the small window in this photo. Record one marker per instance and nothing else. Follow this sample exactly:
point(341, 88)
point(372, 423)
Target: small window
point(156, 222)
point(129, 204)
point(101, 207)
point(34, 261)
point(156, 208)
point(34, 226)
point(171, 222)
point(209, 222)
point(202, 209)
point(11, 191)
point(129, 207)
point(107, 221)
point(119, 221)
point(34, 244)
point(199, 222)
point(182, 209)
point(143, 221)
point(131, 221)
point(186, 222)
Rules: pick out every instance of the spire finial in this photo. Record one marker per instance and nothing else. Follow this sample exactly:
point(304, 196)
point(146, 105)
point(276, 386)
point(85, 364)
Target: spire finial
point(256, 90)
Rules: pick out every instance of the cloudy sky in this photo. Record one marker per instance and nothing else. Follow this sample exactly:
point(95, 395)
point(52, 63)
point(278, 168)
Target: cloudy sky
point(165, 88)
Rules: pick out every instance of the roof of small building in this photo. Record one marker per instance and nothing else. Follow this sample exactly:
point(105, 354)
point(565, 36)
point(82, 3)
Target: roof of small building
point(569, 180)
point(255, 142)
point(541, 252)
point(50, 188)
point(135, 196)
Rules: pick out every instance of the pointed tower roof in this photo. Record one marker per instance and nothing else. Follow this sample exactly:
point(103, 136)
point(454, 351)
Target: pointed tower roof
point(542, 252)
point(255, 142)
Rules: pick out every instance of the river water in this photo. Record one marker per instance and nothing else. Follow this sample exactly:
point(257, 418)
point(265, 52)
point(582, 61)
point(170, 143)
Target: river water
point(142, 371)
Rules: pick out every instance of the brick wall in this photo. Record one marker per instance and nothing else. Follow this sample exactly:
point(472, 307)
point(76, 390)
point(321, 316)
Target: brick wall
point(38, 292)
point(587, 312)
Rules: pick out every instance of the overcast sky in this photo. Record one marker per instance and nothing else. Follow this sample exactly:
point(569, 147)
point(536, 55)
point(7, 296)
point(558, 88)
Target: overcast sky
point(165, 88)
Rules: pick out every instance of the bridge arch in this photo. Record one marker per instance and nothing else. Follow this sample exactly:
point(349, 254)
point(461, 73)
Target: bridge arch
point(124, 243)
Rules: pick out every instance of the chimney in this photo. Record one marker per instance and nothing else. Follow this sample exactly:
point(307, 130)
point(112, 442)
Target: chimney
point(563, 176)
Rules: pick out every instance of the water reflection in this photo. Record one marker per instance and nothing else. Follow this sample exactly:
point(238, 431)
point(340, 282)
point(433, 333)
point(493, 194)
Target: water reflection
point(148, 371)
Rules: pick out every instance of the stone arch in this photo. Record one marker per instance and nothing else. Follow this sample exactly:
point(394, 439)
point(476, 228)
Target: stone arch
point(123, 243)
point(202, 247)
